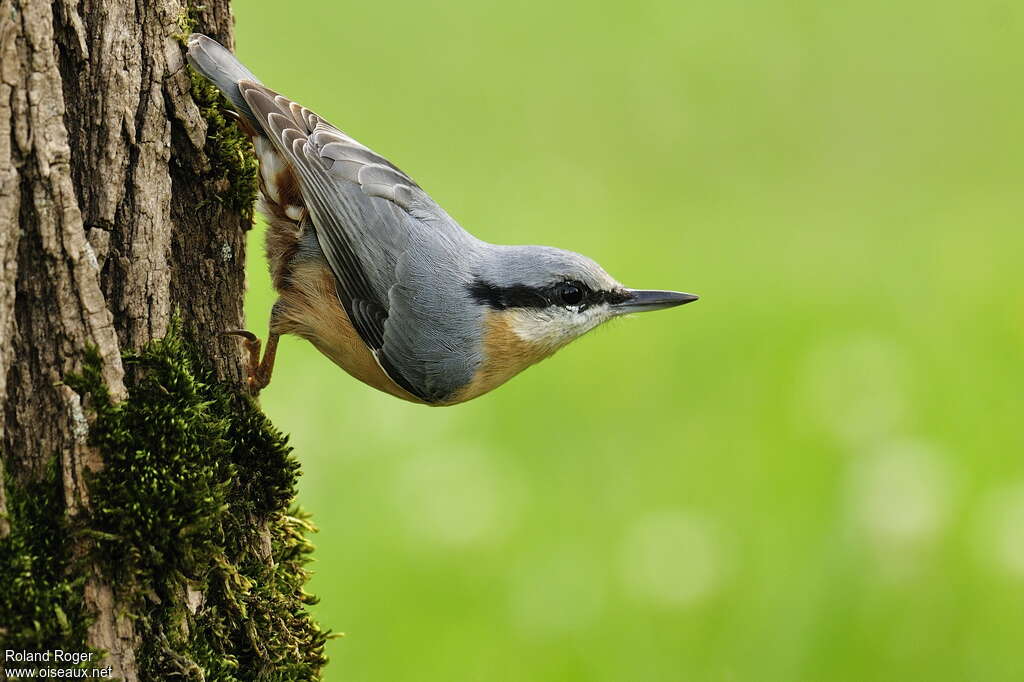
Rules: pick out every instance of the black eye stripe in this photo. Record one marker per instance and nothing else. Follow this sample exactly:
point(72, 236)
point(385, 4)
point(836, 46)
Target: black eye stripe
point(500, 298)
point(523, 296)
point(611, 297)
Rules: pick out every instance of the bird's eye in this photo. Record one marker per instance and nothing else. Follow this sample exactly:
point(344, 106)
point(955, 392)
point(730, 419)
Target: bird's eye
point(570, 293)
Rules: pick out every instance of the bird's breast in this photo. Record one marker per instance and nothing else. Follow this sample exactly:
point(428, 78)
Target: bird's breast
point(504, 354)
point(309, 307)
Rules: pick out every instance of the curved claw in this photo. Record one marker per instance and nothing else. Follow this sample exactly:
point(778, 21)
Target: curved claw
point(258, 371)
point(244, 333)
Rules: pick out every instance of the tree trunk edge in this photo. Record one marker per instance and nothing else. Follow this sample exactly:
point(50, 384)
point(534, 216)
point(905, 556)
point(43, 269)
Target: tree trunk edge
point(125, 197)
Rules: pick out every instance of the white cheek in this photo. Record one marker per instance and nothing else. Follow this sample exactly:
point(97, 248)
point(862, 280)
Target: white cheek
point(554, 327)
point(590, 318)
point(535, 326)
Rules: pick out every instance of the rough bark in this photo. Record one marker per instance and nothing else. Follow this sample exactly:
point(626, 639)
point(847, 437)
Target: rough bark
point(109, 227)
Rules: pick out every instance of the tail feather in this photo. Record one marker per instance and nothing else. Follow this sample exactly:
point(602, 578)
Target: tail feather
point(220, 67)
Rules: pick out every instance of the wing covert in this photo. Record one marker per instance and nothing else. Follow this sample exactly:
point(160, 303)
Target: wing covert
point(363, 209)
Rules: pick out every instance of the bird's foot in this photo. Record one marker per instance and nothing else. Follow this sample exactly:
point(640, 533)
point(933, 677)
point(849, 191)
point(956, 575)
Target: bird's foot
point(258, 371)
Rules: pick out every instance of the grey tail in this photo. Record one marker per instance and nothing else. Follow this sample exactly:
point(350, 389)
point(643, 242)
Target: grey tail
point(221, 68)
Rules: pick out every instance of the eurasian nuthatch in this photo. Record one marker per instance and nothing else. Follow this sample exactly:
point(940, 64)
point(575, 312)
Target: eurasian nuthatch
point(385, 283)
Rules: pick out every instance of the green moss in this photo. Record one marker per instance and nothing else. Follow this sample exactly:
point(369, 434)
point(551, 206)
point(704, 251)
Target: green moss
point(40, 600)
point(233, 163)
point(233, 166)
point(194, 499)
point(187, 22)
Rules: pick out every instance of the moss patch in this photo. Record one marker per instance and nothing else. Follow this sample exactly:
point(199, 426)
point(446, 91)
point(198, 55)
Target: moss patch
point(40, 600)
point(192, 523)
point(233, 166)
point(232, 159)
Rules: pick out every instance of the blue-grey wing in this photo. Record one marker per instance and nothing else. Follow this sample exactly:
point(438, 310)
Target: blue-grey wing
point(386, 241)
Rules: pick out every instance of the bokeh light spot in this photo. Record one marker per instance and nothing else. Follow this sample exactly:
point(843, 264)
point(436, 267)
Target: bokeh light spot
point(901, 494)
point(671, 559)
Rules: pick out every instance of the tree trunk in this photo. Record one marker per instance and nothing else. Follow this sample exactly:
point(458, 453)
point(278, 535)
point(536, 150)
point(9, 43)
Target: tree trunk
point(124, 201)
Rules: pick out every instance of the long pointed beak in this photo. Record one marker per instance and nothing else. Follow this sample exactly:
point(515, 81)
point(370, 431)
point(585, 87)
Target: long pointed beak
point(643, 300)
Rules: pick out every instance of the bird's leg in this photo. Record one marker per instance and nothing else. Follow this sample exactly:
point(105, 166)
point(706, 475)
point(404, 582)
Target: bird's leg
point(258, 370)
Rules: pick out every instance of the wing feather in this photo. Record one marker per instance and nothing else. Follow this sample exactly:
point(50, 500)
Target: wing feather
point(366, 212)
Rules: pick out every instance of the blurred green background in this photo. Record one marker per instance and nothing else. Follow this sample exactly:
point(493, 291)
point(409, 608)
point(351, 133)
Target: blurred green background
point(814, 473)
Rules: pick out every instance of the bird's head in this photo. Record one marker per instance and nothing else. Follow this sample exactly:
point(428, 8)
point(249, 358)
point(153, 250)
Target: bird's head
point(548, 297)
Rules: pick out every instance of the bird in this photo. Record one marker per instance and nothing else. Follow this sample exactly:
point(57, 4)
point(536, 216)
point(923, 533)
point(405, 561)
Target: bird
point(381, 280)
